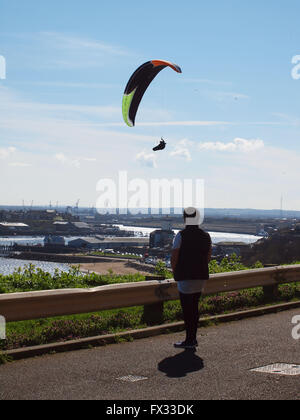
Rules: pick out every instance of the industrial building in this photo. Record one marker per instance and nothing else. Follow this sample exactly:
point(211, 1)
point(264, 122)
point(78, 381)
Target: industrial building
point(108, 243)
point(53, 240)
point(161, 238)
point(13, 228)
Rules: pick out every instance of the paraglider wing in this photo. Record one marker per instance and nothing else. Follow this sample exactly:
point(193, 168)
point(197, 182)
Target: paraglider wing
point(138, 84)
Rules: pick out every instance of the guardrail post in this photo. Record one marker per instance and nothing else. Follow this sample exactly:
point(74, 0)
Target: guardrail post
point(271, 292)
point(153, 313)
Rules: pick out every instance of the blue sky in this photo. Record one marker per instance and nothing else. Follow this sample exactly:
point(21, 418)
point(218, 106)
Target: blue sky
point(231, 118)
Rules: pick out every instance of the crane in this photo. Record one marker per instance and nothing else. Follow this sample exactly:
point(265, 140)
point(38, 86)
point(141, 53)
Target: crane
point(77, 205)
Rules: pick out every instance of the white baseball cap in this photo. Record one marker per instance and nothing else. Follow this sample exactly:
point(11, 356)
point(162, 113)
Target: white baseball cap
point(192, 216)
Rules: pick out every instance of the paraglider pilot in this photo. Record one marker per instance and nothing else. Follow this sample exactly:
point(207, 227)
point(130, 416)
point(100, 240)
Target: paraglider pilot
point(161, 146)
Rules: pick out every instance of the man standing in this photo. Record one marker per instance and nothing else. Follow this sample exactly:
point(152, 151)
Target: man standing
point(190, 257)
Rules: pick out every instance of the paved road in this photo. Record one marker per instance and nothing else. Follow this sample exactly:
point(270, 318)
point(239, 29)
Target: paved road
point(220, 369)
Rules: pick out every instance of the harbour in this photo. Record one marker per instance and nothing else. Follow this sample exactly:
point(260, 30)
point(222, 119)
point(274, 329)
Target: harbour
point(8, 264)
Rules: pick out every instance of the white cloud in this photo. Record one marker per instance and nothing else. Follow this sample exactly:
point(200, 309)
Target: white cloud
point(5, 153)
point(237, 145)
point(256, 180)
point(184, 123)
point(288, 119)
point(76, 43)
point(61, 110)
point(67, 161)
point(69, 84)
point(182, 150)
point(20, 164)
point(58, 50)
point(86, 159)
point(43, 127)
point(74, 134)
point(73, 162)
point(168, 123)
point(146, 159)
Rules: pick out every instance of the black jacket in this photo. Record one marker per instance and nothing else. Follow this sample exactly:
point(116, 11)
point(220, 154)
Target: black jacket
point(193, 255)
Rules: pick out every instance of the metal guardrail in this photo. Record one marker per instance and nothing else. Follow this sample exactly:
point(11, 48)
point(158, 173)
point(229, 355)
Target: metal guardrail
point(43, 304)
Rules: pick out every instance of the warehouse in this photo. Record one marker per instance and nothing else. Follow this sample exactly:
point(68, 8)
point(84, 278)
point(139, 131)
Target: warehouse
point(15, 228)
point(108, 243)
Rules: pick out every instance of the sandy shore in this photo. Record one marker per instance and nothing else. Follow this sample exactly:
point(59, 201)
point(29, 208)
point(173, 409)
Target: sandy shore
point(117, 267)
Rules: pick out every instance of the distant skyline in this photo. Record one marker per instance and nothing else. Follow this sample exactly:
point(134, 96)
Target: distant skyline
point(208, 212)
point(231, 118)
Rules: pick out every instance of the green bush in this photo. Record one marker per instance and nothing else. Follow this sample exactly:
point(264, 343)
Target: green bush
point(31, 278)
point(162, 270)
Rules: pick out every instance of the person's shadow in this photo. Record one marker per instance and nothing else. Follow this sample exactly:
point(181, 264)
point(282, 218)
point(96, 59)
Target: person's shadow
point(180, 365)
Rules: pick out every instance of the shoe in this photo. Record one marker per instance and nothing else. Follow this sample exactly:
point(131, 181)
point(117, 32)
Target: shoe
point(186, 345)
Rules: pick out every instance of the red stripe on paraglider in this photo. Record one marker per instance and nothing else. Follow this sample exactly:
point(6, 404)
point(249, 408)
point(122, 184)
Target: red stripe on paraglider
point(157, 63)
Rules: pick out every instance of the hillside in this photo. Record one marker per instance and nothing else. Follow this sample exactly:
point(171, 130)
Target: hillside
point(281, 247)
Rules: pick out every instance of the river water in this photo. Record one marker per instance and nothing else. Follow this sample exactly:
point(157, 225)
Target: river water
point(9, 265)
point(215, 236)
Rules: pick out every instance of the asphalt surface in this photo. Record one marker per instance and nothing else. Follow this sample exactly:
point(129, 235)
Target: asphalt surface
point(219, 369)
